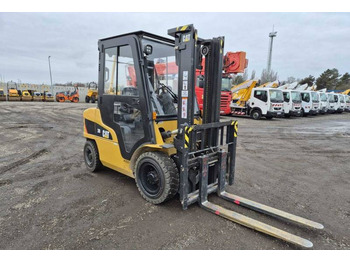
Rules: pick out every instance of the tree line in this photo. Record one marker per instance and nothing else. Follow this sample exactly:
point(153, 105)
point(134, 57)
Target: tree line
point(330, 79)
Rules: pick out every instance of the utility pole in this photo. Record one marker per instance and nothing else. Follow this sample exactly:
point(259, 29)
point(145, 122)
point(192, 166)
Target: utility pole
point(271, 35)
point(50, 74)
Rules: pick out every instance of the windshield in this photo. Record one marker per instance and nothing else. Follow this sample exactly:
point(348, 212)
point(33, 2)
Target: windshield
point(341, 98)
point(347, 99)
point(305, 97)
point(331, 98)
point(276, 95)
point(226, 84)
point(323, 97)
point(314, 96)
point(296, 97)
point(163, 78)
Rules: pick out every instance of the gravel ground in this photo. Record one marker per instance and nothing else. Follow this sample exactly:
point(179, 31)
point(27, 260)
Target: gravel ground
point(50, 201)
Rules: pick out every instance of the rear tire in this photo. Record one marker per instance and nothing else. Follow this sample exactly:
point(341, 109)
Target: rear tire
point(269, 117)
point(157, 177)
point(255, 114)
point(91, 156)
point(93, 99)
point(87, 99)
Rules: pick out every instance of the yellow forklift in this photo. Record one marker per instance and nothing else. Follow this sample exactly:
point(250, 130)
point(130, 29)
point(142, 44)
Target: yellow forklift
point(152, 130)
point(92, 94)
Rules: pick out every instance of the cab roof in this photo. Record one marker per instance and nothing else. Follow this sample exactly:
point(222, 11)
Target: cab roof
point(142, 34)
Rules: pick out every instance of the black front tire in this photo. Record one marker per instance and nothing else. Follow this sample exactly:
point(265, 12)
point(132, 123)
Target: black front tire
point(87, 99)
point(93, 99)
point(91, 156)
point(255, 114)
point(157, 177)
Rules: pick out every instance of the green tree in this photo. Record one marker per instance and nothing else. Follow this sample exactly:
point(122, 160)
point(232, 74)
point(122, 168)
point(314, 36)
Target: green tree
point(344, 82)
point(308, 80)
point(328, 79)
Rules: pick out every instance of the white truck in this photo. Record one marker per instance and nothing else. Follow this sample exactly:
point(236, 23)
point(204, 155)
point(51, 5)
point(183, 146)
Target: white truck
point(306, 103)
point(262, 102)
point(332, 105)
point(292, 103)
point(342, 102)
point(315, 98)
point(323, 103)
point(339, 108)
point(347, 101)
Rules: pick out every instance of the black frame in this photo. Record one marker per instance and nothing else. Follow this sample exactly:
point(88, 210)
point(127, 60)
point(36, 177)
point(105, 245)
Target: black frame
point(106, 101)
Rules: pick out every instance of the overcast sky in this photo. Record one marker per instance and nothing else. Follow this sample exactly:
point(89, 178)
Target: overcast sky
point(306, 43)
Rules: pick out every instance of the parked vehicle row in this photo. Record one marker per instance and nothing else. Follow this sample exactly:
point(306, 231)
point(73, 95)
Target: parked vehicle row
point(266, 101)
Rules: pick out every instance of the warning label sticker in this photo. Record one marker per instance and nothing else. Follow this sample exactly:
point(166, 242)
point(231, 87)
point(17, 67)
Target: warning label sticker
point(185, 75)
point(184, 93)
point(184, 85)
point(184, 108)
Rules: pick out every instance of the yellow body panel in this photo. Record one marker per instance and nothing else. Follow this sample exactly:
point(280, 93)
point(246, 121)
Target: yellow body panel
point(346, 92)
point(92, 92)
point(26, 96)
point(109, 151)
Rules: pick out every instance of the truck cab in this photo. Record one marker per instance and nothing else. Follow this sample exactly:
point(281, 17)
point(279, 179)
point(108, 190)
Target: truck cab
point(342, 102)
point(323, 103)
point(347, 102)
point(315, 109)
point(306, 103)
point(332, 105)
point(266, 101)
point(338, 105)
point(226, 96)
point(292, 103)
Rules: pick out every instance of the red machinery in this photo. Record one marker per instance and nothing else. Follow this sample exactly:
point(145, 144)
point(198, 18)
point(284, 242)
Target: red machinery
point(234, 63)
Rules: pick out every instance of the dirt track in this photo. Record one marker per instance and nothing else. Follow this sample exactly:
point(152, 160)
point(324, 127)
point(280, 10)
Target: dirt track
point(50, 201)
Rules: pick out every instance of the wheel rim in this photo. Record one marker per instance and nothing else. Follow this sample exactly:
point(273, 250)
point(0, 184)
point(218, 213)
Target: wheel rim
point(255, 115)
point(150, 179)
point(88, 156)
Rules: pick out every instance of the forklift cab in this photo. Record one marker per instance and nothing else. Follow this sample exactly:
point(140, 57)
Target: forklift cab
point(136, 86)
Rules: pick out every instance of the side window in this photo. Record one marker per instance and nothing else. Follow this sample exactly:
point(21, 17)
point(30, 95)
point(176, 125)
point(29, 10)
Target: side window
point(120, 76)
point(261, 95)
point(336, 98)
point(126, 81)
point(286, 96)
point(110, 71)
point(305, 97)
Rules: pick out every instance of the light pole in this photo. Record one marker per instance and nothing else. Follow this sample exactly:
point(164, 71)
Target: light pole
point(50, 74)
point(269, 58)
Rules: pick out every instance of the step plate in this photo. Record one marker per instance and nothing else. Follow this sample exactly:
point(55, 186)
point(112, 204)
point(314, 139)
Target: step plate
point(270, 210)
point(256, 225)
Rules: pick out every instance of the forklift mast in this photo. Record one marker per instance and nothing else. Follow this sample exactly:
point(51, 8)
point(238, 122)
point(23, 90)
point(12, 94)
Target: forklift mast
point(197, 145)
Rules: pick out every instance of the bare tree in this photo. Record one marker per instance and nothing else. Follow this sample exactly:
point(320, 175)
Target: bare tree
point(252, 77)
point(268, 76)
